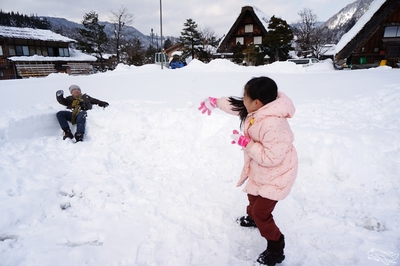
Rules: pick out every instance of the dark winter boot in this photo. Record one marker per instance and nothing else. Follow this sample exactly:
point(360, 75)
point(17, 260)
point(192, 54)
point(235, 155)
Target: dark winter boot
point(67, 133)
point(78, 136)
point(274, 252)
point(246, 221)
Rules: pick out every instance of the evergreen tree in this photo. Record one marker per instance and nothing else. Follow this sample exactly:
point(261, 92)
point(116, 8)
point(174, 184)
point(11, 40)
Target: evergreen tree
point(252, 55)
point(277, 42)
point(93, 38)
point(134, 53)
point(149, 55)
point(190, 39)
point(203, 55)
point(12, 19)
point(167, 43)
point(238, 55)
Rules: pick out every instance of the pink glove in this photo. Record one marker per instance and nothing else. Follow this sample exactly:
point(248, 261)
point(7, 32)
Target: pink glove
point(208, 105)
point(240, 139)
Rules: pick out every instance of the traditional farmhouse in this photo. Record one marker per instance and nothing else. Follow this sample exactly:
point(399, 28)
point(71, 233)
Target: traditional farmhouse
point(249, 28)
point(374, 40)
point(26, 52)
point(173, 49)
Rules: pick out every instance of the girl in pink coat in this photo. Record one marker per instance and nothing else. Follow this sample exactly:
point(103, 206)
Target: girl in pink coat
point(270, 159)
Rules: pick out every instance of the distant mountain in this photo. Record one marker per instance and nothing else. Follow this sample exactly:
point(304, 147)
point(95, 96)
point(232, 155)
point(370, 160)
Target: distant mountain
point(68, 28)
point(338, 24)
point(345, 19)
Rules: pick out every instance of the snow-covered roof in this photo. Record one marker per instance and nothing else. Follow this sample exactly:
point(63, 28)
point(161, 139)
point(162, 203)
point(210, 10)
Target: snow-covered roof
point(328, 49)
point(32, 34)
point(262, 17)
point(346, 38)
point(105, 56)
point(74, 56)
point(179, 53)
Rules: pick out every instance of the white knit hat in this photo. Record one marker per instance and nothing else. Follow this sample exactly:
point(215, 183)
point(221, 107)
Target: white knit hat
point(74, 87)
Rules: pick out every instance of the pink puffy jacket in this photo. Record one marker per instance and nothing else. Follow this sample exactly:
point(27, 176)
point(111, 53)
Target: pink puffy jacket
point(270, 159)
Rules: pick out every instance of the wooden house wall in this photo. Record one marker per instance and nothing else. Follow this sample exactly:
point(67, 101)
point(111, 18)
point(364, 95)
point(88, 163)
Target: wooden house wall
point(34, 46)
point(7, 70)
point(371, 52)
point(238, 30)
point(374, 49)
point(393, 19)
point(368, 49)
point(13, 70)
point(249, 36)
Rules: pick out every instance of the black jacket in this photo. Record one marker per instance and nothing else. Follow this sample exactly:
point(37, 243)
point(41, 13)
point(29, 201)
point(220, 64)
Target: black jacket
point(85, 105)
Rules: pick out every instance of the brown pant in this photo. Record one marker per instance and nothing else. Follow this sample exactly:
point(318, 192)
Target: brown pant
point(260, 209)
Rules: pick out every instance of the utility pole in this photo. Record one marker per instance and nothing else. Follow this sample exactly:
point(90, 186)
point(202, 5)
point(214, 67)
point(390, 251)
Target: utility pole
point(152, 35)
point(162, 52)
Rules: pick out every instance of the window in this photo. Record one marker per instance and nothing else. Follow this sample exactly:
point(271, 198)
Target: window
point(38, 51)
point(11, 50)
point(240, 40)
point(1, 50)
point(63, 52)
point(257, 40)
point(50, 51)
point(1, 73)
point(21, 50)
point(18, 50)
point(248, 28)
point(392, 31)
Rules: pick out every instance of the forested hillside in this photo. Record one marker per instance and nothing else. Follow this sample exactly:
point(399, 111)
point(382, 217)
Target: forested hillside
point(23, 21)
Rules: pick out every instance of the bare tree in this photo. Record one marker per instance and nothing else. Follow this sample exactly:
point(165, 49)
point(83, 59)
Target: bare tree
point(305, 29)
point(207, 35)
point(120, 18)
point(318, 39)
point(310, 39)
point(208, 41)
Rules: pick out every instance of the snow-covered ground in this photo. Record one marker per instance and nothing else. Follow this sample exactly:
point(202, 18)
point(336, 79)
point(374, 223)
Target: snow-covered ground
point(154, 181)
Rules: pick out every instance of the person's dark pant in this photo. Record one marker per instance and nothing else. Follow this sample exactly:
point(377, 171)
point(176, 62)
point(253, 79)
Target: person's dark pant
point(65, 116)
point(260, 209)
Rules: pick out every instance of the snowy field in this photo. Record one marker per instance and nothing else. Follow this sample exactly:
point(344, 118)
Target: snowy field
point(153, 183)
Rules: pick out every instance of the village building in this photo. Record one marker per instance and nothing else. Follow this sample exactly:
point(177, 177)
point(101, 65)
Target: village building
point(27, 52)
point(173, 49)
point(374, 40)
point(250, 28)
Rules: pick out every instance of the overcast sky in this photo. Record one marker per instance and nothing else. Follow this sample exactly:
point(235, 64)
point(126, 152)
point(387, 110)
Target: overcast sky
point(217, 15)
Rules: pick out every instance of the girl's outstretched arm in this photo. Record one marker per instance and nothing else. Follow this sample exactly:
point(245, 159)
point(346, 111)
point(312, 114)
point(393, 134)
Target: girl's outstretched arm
point(209, 104)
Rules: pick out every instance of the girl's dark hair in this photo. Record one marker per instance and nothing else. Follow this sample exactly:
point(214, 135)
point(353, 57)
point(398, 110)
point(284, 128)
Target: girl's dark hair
point(263, 89)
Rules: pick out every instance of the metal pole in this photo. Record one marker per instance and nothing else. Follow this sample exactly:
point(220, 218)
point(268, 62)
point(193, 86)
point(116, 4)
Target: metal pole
point(162, 52)
point(152, 35)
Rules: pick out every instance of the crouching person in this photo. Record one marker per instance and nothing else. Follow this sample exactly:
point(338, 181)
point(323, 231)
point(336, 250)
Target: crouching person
point(79, 103)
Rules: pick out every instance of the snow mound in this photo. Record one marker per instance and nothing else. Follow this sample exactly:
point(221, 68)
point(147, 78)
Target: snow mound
point(153, 182)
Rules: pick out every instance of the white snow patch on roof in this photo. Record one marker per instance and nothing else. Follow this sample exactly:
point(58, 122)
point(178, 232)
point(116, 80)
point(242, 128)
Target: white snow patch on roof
point(346, 38)
point(32, 34)
point(328, 49)
point(262, 16)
